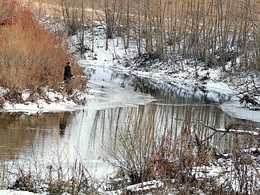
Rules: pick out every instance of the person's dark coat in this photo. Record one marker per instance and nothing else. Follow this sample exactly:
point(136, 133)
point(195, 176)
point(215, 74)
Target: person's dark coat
point(67, 73)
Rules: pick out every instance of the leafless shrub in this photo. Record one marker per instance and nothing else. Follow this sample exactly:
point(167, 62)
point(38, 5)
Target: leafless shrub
point(73, 179)
point(144, 153)
point(31, 57)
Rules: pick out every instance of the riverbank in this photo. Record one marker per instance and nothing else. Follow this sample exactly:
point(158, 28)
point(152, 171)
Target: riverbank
point(209, 173)
point(187, 164)
point(51, 101)
point(187, 76)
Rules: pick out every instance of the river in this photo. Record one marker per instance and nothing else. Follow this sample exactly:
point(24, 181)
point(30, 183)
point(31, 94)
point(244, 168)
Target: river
point(120, 102)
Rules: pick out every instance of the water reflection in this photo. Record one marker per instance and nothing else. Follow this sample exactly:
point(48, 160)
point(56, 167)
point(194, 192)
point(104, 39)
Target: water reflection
point(166, 92)
point(65, 118)
point(19, 131)
point(118, 107)
point(173, 119)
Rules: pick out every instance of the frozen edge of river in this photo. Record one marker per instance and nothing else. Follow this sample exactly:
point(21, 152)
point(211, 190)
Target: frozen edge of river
point(215, 89)
point(217, 92)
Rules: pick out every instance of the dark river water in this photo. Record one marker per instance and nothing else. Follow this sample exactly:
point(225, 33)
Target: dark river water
point(121, 103)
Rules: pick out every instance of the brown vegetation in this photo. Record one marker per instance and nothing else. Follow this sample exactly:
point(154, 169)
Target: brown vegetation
point(31, 56)
point(145, 152)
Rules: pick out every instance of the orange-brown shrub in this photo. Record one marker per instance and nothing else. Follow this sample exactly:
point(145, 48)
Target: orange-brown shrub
point(30, 55)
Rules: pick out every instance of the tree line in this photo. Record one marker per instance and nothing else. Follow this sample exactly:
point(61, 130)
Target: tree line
point(212, 31)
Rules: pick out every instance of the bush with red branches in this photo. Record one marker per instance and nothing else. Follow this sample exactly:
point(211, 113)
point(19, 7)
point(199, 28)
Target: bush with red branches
point(30, 55)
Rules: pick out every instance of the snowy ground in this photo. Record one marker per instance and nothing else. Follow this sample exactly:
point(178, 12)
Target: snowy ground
point(56, 102)
point(234, 109)
point(13, 192)
point(179, 73)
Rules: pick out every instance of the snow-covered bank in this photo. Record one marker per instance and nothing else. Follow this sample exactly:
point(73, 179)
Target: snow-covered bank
point(185, 75)
point(14, 192)
point(233, 108)
point(39, 107)
point(236, 171)
point(52, 102)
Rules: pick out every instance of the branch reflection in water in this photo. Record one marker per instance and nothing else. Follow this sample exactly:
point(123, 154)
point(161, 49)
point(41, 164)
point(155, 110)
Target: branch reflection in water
point(159, 120)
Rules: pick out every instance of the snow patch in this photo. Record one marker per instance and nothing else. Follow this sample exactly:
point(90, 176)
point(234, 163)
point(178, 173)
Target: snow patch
point(234, 109)
point(13, 192)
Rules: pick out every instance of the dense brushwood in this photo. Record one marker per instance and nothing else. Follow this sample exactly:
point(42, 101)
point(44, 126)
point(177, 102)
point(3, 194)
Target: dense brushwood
point(30, 55)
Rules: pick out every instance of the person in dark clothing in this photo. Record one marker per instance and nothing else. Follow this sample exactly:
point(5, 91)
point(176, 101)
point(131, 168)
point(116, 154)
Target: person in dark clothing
point(67, 73)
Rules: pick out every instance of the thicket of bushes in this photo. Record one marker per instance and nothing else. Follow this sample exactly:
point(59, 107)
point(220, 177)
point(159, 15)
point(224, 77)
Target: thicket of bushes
point(146, 145)
point(30, 55)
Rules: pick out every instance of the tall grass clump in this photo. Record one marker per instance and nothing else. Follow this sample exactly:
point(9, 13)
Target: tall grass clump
point(31, 56)
point(143, 151)
point(43, 178)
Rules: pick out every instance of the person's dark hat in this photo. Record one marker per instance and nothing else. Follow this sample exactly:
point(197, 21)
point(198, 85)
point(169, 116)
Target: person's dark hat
point(68, 63)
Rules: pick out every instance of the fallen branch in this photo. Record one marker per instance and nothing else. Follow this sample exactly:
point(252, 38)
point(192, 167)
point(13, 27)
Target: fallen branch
point(236, 131)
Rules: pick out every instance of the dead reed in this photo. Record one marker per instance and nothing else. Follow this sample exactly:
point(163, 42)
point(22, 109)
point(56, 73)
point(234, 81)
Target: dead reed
point(31, 56)
point(144, 148)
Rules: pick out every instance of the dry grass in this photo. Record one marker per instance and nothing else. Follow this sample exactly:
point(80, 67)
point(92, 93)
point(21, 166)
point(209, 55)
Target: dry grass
point(47, 8)
point(142, 152)
point(31, 56)
point(52, 179)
